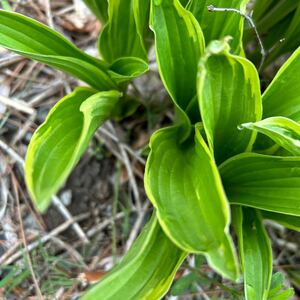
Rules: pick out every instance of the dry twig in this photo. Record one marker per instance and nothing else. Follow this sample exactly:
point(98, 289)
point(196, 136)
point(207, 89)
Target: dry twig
point(9, 258)
point(57, 203)
point(23, 236)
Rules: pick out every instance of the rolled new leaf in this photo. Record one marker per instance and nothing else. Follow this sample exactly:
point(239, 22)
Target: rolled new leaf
point(217, 25)
point(34, 40)
point(121, 35)
point(59, 142)
point(283, 131)
point(126, 68)
point(228, 95)
point(179, 45)
point(147, 270)
point(269, 183)
point(282, 97)
point(255, 251)
point(183, 183)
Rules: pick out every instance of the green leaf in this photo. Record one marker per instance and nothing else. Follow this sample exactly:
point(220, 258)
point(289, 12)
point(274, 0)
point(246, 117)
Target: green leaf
point(283, 295)
point(277, 288)
point(277, 283)
point(260, 8)
point(184, 2)
point(147, 270)
point(99, 8)
point(291, 222)
point(282, 97)
point(59, 142)
point(120, 36)
point(126, 68)
point(292, 31)
point(141, 11)
point(5, 5)
point(179, 45)
point(255, 251)
point(34, 40)
point(294, 276)
point(276, 13)
point(187, 283)
point(183, 183)
point(228, 94)
point(283, 131)
point(217, 25)
point(266, 182)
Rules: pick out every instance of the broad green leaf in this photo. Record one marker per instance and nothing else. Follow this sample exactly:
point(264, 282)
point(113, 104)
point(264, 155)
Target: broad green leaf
point(291, 222)
point(99, 8)
point(146, 272)
point(255, 251)
point(126, 68)
point(34, 40)
point(179, 45)
point(283, 131)
point(282, 97)
point(59, 142)
point(265, 182)
point(217, 25)
point(120, 36)
point(228, 95)
point(183, 183)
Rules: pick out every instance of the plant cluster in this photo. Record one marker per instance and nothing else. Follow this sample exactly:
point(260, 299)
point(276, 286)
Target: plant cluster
point(232, 155)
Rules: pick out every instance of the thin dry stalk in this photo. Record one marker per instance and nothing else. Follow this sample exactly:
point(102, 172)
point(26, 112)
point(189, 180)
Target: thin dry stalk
point(137, 225)
point(126, 147)
point(23, 237)
point(48, 13)
point(130, 172)
point(263, 52)
point(65, 212)
point(10, 60)
point(18, 105)
point(9, 259)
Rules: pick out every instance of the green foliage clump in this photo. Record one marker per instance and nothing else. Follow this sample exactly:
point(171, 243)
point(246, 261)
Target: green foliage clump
point(231, 156)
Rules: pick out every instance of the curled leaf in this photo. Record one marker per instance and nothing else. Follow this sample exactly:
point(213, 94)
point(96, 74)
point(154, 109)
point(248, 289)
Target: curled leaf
point(59, 142)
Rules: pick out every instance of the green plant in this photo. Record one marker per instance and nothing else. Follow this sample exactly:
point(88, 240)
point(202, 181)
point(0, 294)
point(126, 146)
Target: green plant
point(206, 171)
point(278, 24)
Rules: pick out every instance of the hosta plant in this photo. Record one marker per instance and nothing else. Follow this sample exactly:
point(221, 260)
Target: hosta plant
point(232, 155)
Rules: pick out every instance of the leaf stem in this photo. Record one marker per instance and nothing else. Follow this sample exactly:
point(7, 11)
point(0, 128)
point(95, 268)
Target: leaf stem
point(263, 52)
